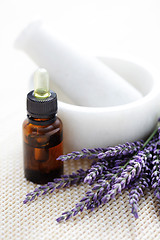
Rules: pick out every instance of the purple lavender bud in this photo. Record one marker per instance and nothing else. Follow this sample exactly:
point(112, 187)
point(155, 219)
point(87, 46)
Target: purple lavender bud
point(133, 173)
point(118, 187)
point(134, 211)
point(95, 197)
point(123, 183)
point(106, 198)
point(124, 174)
point(60, 185)
point(109, 175)
point(112, 193)
point(52, 190)
point(85, 150)
point(129, 179)
point(139, 167)
point(75, 212)
point(45, 192)
point(57, 180)
point(32, 198)
point(119, 179)
point(157, 193)
point(60, 219)
point(68, 216)
point(81, 208)
point(88, 179)
point(25, 201)
point(101, 191)
point(66, 184)
point(129, 168)
point(96, 187)
point(101, 155)
point(140, 191)
point(84, 199)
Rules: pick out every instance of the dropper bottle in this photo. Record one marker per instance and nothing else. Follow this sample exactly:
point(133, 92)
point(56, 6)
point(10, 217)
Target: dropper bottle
point(42, 133)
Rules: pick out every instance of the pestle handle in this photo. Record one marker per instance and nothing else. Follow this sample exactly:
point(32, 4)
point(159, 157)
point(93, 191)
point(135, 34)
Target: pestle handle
point(85, 80)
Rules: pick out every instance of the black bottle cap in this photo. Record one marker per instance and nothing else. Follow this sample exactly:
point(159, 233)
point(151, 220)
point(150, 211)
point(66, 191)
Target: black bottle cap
point(42, 108)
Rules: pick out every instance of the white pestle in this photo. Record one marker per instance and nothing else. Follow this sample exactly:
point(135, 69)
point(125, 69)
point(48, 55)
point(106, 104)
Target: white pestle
point(85, 80)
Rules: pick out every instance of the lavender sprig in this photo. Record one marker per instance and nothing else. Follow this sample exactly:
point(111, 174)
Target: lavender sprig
point(91, 200)
point(121, 150)
point(100, 153)
point(137, 189)
point(64, 181)
point(107, 188)
point(155, 172)
point(84, 153)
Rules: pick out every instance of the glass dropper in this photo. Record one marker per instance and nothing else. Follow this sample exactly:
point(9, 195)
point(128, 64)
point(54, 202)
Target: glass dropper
point(41, 84)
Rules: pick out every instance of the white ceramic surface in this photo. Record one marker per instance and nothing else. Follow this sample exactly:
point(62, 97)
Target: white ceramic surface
point(84, 79)
point(89, 127)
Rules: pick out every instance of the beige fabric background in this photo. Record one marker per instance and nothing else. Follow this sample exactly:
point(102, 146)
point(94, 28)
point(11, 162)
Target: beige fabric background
point(37, 219)
point(112, 27)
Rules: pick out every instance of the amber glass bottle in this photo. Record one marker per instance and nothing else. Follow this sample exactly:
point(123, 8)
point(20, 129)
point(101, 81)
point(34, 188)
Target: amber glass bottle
point(42, 134)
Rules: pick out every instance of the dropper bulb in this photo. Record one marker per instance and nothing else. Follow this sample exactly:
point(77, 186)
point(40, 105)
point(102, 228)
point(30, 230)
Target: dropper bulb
point(41, 84)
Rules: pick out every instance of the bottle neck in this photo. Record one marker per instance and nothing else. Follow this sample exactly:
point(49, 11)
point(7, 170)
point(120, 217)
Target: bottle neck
point(41, 121)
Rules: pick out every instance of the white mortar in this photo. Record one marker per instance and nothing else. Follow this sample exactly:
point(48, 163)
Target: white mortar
point(89, 127)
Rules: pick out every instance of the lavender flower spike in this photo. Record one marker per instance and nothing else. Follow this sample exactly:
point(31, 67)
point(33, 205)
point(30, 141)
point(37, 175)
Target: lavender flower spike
point(131, 170)
point(91, 200)
point(64, 181)
point(137, 190)
point(155, 172)
point(121, 150)
point(84, 153)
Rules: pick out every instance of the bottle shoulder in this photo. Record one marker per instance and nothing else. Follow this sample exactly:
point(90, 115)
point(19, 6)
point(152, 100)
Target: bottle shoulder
point(57, 124)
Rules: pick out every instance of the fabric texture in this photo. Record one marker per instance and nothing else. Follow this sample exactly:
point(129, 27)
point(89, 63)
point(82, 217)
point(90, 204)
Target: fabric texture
point(37, 220)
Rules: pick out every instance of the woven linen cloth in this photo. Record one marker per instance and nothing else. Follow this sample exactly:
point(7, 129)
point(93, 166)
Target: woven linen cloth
point(37, 220)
